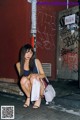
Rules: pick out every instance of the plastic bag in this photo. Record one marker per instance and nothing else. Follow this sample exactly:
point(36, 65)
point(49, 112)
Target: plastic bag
point(49, 93)
point(35, 93)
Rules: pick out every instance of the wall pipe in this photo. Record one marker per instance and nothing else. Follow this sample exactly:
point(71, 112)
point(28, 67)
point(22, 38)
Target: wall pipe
point(33, 23)
point(67, 4)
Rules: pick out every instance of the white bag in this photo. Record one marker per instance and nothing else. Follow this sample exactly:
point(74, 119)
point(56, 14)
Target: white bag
point(35, 93)
point(49, 93)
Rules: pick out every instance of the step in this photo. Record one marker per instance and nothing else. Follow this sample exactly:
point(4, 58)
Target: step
point(12, 88)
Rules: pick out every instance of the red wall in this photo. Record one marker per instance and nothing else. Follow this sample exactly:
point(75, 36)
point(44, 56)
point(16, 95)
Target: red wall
point(47, 15)
point(15, 16)
point(14, 32)
point(46, 33)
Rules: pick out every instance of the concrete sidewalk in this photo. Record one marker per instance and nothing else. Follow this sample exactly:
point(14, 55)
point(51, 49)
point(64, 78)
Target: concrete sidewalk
point(67, 96)
point(42, 113)
point(67, 91)
point(65, 106)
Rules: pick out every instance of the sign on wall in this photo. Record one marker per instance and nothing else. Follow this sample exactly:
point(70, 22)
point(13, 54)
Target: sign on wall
point(70, 19)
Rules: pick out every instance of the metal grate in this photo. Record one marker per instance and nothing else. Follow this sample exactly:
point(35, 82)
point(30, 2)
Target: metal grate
point(47, 69)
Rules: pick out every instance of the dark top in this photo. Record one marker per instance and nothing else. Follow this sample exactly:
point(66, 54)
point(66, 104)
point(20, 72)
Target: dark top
point(27, 72)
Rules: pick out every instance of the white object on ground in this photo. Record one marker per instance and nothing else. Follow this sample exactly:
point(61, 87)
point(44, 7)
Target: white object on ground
point(35, 93)
point(49, 94)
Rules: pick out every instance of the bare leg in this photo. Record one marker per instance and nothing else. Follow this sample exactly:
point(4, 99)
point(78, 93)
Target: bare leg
point(38, 102)
point(42, 88)
point(26, 87)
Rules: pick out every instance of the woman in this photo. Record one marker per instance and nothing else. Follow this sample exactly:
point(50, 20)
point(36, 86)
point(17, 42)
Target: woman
point(28, 71)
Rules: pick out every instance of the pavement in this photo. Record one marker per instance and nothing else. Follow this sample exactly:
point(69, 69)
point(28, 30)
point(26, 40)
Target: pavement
point(65, 106)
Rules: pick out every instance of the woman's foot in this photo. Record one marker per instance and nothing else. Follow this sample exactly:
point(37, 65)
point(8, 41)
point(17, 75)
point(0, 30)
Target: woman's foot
point(37, 103)
point(27, 103)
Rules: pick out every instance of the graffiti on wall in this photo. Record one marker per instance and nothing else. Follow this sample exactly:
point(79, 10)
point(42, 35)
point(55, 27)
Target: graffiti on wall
point(69, 37)
point(46, 31)
point(71, 60)
point(68, 44)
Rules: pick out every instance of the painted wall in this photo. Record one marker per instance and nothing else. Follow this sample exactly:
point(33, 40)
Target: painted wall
point(15, 23)
point(47, 32)
point(68, 44)
point(14, 32)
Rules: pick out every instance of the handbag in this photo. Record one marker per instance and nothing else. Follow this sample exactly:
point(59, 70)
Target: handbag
point(49, 93)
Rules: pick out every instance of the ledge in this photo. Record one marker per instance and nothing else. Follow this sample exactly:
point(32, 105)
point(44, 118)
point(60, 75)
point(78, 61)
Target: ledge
point(8, 80)
point(12, 88)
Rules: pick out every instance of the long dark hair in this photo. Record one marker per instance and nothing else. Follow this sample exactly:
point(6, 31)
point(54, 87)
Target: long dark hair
point(23, 50)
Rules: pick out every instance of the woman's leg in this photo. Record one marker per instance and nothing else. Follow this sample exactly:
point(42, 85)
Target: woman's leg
point(26, 87)
point(38, 102)
point(42, 88)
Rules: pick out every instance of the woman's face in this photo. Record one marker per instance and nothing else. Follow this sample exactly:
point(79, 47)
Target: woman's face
point(28, 54)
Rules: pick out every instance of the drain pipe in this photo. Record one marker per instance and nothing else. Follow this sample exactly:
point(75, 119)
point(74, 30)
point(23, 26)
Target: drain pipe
point(67, 4)
point(33, 23)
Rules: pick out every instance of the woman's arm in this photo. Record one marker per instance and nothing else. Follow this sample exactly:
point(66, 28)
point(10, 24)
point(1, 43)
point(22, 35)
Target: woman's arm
point(40, 69)
point(18, 67)
point(41, 73)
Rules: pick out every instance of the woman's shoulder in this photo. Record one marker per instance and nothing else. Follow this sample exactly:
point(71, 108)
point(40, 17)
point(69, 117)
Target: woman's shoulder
point(37, 60)
point(18, 64)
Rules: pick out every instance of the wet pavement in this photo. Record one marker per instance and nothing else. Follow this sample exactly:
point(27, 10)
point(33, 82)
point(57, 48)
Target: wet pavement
point(65, 106)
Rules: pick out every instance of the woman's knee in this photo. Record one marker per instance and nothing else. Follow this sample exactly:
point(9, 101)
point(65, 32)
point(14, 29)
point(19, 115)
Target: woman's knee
point(23, 80)
point(32, 79)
